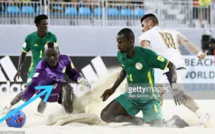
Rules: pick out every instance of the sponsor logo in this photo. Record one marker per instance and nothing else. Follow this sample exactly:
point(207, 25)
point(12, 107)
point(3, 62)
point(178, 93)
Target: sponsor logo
point(7, 72)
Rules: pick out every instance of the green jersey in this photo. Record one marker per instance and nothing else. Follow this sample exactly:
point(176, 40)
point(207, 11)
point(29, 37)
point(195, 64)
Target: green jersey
point(35, 44)
point(140, 69)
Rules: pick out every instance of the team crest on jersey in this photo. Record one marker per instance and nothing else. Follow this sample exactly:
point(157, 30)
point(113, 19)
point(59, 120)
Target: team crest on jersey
point(138, 66)
point(64, 70)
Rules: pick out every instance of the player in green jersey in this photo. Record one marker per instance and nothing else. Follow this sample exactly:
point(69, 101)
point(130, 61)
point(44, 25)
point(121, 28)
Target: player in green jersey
point(137, 67)
point(35, 43)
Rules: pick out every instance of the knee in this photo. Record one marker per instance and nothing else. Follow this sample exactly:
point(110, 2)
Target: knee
point(105, 116)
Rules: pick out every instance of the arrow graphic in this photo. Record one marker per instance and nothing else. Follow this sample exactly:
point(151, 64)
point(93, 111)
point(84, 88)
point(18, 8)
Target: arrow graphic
point(47, 89)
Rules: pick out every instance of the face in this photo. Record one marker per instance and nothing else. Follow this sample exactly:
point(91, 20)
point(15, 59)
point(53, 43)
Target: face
point(43, 26)
point(123, 44)
point(52, 56)
point(145, 25)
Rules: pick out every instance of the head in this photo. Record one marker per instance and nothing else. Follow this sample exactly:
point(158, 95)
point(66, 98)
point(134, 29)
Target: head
point(125, 40)
point(148, 21)
point(52, 54)
point(41, 22)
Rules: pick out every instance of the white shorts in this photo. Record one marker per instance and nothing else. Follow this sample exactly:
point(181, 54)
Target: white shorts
point(165, 79)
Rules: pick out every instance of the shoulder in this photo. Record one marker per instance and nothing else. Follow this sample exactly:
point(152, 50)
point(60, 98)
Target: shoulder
point(145, 51)
point(144, 36)
point(31, 35)
point(120, 56)
point(51, 34)
point(64, 58)
point(172, 31)
point(42, 65)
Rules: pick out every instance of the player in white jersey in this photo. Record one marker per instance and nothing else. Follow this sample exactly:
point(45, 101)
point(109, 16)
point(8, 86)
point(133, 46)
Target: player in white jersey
point(166, 43)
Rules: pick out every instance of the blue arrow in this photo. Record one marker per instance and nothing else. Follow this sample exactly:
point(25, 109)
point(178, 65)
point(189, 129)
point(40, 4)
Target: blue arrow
point(47, 90)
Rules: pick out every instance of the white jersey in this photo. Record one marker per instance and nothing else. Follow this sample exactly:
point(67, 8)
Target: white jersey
point(165, 43)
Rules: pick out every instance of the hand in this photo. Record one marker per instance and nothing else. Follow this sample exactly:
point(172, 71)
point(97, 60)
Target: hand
point(84, 82)
point(201, 55)
point(178, 98)
point(107, 93)
point(18, 74)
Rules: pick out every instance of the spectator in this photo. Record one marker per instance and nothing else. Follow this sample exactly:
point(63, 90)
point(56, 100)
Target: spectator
point(204, 11)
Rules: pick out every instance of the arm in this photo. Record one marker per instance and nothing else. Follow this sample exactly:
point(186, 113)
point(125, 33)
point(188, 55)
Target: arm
point(74, 75)
point(145, 44)
point(172, 70)
point(20, 64)
point(178, 98)
point(144, 40)
point(116, 84)
point(39, 76)
point(190, 45)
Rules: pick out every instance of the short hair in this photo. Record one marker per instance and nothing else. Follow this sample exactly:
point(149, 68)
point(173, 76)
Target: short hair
point(127, 32)
point(148, 17)
point(51, 45)
point(38, 18)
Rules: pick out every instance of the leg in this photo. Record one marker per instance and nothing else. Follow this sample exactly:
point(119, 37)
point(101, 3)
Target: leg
point(41, 107)
point(189, 102)
point(114, 112)
point(176, 121)
point(152, 114)
point(67, 98)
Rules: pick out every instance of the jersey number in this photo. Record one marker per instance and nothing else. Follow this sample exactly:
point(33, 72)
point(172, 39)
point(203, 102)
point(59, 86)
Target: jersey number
point(168, 39)
point(41, 54)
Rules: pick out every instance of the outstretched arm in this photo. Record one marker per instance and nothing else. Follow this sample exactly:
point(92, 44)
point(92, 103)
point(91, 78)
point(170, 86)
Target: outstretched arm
point(74, 75)
point(38, 77)
point(20, 64)
point(175, 91)
point(107, 93)
point(191, 46)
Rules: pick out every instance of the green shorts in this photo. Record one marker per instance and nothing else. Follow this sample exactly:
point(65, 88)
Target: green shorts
point(30, 75)
point(150, 110)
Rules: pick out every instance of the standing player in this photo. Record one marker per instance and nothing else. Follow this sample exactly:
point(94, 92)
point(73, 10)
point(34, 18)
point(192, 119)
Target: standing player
point(137, 68)
point(166, 42)
point(50, 71)
point(34, 42)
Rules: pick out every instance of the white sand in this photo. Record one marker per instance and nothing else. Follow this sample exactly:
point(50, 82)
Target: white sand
point(37, 124)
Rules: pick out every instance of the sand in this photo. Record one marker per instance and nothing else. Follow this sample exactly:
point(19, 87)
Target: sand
point(53, 120)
